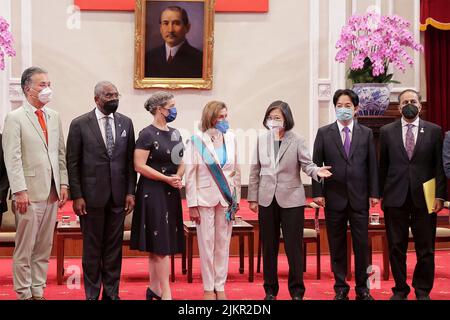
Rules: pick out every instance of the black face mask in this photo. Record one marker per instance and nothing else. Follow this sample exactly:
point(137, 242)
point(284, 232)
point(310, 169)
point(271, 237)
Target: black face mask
point(110, 106)
point(410, 111)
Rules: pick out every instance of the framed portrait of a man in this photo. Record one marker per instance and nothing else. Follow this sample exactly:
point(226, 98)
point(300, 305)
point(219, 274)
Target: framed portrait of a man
point(174, 44)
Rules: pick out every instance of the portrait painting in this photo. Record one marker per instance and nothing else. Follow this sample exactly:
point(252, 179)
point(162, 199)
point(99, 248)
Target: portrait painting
point(174, 44)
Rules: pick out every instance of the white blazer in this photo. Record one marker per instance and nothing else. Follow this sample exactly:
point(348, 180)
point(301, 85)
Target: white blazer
point(201, 189)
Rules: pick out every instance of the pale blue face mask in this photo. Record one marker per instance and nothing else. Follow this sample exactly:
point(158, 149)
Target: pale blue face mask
point(344, 114)
point(222, 126)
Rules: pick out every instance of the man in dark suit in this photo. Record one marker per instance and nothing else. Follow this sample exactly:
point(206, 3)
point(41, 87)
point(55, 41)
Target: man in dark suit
point(176, 58)
point(446, 154)
point(100, 149)
point(348, 148)
point(411, 154)
point(4, 184)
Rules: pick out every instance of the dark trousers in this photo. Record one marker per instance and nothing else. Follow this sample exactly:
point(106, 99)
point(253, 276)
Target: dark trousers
point(102, 230)
point(291, 221)
point(423, 227)
point(337, 224)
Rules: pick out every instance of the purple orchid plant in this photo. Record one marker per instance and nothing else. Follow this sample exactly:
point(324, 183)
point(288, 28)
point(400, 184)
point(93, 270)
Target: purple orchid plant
point(6, 42)
point(374, 41)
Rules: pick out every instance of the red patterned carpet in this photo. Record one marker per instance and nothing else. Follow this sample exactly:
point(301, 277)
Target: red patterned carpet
point(135, 277)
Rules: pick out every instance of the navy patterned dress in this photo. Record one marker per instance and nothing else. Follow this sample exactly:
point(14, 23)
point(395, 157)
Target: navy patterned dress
point(157, 225)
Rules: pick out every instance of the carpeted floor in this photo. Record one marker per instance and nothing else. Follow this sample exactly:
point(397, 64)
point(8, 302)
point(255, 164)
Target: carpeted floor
point(135, 277)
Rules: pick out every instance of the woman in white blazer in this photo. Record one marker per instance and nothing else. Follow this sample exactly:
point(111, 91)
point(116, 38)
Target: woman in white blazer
point(276, 190)
point(208, 206)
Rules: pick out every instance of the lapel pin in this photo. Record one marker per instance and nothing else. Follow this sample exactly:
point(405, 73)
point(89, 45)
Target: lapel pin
point(421, 130)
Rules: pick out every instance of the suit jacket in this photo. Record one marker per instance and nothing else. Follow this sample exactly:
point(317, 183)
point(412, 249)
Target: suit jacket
point(187, 63)
point(201, 188)
point(280, 177)
point(446, 154)
point(398, 174)
point(355, 178)
point(4, 184)
point(92, 174)
point(30, 162)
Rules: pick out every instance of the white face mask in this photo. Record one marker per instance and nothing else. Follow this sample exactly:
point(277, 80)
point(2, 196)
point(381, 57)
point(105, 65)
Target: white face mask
point(275, 124)
point(45, 95)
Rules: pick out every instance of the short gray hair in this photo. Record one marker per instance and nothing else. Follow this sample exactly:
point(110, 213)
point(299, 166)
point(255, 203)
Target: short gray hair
point(98, 90)
point(159, 98)
point(28, 74)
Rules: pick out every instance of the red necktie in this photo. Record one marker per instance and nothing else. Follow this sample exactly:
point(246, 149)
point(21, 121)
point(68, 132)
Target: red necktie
point(170, 57)
point(41, 119)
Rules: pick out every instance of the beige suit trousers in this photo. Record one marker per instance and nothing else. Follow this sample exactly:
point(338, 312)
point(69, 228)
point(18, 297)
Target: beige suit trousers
point(33, 246)
point(214, 234)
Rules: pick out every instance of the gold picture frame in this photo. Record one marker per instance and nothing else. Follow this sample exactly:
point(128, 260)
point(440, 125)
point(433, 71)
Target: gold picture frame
point(153, 67)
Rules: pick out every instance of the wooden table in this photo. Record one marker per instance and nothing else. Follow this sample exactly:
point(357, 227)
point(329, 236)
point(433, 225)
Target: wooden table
point(73, 231)
point(241, 229)
point(375, 230)
point(64, 232)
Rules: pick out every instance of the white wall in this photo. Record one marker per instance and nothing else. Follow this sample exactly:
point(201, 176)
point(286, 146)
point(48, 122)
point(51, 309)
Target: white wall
point(258, 58)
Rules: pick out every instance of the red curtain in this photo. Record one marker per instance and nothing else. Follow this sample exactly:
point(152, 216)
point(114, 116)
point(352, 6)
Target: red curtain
point(435, 21)
point(437, 56)
point(434, 13)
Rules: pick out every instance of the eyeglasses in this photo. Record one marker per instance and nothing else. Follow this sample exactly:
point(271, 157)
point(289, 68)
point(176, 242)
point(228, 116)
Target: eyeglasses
point(110, 95)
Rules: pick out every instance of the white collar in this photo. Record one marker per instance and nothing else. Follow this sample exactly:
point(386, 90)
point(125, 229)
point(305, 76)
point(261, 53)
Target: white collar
point(350, 126)
point(415, 123)
point(100, 114)
point(174, 50)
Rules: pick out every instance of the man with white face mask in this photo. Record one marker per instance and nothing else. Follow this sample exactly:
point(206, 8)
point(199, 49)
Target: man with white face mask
point(349, 149)
point(34, 153)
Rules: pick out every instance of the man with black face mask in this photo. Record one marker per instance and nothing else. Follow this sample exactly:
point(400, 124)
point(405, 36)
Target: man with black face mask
point(100, 149)
point(410, 155)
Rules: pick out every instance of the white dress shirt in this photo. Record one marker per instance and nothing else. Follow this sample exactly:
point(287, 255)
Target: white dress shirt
point(172, 50)
point(101, 118)
point(415, 130)
point(36, 109)
point(341, 130)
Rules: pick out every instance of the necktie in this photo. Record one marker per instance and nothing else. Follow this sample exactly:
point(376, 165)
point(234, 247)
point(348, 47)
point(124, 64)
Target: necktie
point(109, 137)
point(409, 141)
point(40, 115)
point(169, 60)
point(347, 141)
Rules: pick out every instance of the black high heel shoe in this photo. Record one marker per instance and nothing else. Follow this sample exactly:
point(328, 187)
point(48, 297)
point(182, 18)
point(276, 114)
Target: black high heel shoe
point(150, 295)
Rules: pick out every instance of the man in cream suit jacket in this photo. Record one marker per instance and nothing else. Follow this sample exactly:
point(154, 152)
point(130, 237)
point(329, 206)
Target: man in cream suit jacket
point(34, 153)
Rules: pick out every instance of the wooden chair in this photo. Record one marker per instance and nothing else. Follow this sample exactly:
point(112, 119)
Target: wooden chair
point(8, 228)
point(127, 238)
point(310, 235)
point(442, 235)
point(442, 232)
